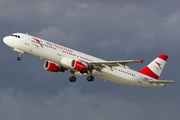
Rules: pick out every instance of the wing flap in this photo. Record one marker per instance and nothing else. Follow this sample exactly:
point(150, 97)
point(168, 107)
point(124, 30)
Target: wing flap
point(114, 63)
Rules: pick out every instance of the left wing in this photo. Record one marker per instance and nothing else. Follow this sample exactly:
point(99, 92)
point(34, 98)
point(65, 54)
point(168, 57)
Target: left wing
point(110, 64)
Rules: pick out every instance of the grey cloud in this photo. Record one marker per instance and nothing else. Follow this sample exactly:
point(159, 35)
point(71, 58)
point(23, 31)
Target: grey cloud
point(111, 30)
point(71, 104)
point(56, 35)
point(143, 41)
point(94, 22)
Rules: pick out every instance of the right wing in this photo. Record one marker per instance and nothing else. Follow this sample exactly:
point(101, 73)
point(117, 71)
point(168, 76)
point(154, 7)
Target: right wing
point(110, 64)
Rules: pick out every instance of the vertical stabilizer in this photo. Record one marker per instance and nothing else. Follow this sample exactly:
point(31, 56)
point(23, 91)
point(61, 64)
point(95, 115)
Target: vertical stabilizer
point(155, 68)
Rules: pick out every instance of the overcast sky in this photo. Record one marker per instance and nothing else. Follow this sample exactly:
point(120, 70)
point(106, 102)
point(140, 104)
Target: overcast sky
point(108, 29)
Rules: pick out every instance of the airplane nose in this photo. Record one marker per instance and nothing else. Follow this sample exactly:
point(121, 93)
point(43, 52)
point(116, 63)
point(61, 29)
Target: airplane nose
point(5, 39)
point(9, 41)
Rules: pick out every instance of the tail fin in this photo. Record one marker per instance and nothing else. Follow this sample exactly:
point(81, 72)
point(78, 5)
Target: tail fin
point(155, 68)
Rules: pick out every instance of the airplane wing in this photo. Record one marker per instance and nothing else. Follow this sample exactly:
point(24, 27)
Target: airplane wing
point(110, 64)
point(161, 81)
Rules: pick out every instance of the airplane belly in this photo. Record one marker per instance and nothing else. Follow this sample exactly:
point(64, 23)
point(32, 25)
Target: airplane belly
point(124, 78)
point(116, 77)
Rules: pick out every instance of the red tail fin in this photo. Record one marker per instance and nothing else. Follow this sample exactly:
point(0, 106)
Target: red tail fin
point(155, 68)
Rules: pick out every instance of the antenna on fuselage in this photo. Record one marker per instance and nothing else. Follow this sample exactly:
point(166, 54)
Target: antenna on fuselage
point(26, 33)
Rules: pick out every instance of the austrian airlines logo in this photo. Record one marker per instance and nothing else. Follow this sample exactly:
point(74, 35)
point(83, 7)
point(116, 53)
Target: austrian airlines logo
point(38, 41)
point(158, 64)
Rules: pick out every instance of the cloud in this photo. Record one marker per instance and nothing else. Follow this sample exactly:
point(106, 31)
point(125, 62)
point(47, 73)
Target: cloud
point(71, 104)
point(111, 30)
point(56, 35)
point(143, 41)
point(130, 26)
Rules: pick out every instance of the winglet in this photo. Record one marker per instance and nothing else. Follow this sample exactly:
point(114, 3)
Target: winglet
point(141, 61)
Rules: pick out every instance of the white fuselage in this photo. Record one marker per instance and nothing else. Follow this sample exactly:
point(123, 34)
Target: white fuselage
point(53, 52)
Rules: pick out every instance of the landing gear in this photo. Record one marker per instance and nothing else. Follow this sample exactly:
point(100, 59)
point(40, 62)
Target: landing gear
point(72, 78)
point(90, 78)
point(20, 57)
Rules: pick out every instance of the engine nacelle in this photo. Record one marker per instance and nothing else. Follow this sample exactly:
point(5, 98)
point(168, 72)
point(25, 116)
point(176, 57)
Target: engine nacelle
point(74, 64)
point(53, 67)
point(78, 65)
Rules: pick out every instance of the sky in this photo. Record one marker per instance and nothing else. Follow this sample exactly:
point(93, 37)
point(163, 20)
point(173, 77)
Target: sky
point(108, 29)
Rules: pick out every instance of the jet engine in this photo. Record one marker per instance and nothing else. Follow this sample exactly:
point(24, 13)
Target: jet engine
point(78, 65)
point(74, 64)
point(53, 67)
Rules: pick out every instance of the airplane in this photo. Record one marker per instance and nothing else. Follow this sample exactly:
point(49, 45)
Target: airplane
point(59, 58)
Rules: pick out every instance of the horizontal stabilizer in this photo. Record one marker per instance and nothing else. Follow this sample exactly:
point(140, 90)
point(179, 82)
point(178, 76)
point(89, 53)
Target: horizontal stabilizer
point(161, 81)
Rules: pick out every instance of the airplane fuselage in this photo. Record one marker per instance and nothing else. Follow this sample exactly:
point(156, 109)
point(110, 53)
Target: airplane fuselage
point(24, 43)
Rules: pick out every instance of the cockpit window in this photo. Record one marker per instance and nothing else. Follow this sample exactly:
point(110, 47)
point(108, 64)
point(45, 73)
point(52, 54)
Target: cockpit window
point(16, 36)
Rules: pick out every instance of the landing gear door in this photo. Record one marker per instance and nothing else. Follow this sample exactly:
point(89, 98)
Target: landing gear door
point(59, 53)
point(140, 79)
point(27, 42)
point(97, 72)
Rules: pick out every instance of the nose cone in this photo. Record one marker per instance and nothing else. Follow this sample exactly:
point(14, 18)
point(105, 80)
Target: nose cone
point(8, 40)
point(5, 39)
